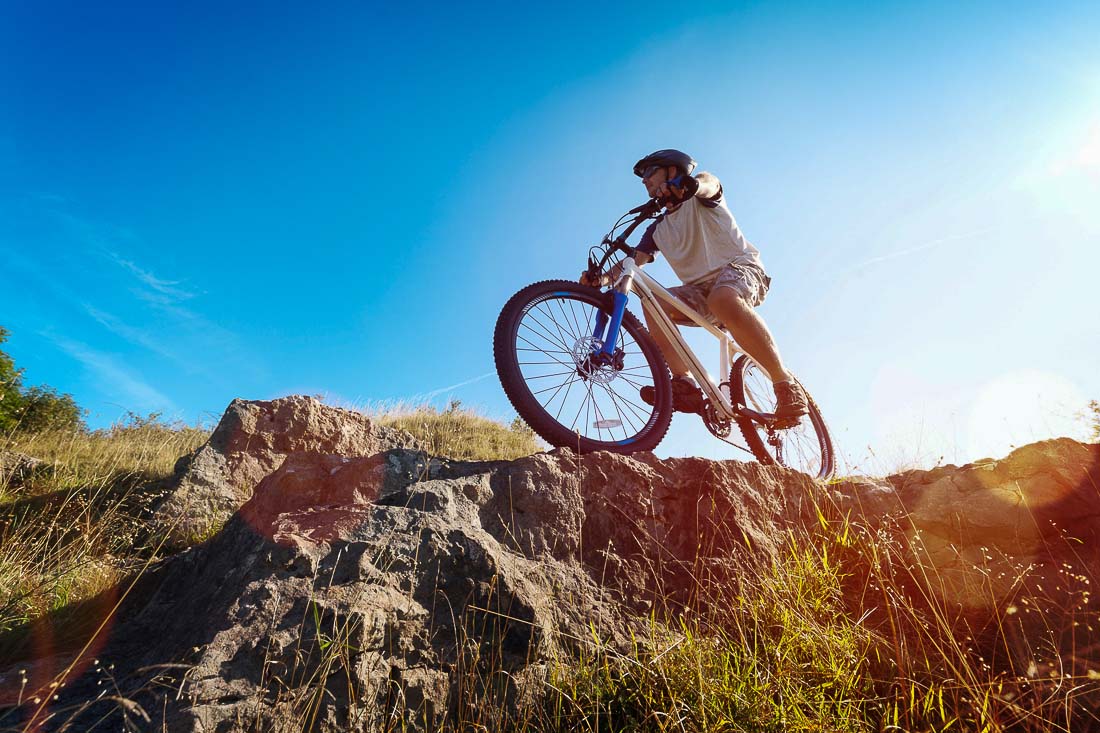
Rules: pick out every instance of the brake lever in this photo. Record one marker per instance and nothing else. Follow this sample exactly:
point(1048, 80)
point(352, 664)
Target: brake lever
point(592, 272)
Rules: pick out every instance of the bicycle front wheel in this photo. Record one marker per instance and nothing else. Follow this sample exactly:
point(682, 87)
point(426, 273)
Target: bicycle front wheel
point(547, 357)
point(806, 447)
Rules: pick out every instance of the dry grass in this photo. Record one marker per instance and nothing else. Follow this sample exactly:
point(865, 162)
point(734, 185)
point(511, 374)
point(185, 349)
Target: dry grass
point(460, 433)
point(843, 634)
point(78, 523)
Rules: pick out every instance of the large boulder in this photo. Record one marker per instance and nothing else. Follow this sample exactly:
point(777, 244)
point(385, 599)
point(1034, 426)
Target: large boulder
point(251, 440)
point(402, 590)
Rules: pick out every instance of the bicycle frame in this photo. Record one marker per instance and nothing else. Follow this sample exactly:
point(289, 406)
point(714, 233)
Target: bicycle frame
point(652, 293)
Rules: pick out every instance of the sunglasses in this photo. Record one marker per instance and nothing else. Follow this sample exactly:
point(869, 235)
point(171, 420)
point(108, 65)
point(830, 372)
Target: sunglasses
point(651, 170)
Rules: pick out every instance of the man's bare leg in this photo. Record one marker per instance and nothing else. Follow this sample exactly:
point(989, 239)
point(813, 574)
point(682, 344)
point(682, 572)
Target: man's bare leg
point(752, 334)
point(675, 364)
point(749, 330)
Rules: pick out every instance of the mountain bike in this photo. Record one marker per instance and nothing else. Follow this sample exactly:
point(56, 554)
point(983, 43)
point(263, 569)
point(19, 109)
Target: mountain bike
point(572, 359)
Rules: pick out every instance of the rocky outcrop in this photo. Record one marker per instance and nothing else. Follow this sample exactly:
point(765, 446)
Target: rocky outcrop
point(362, 585)
point(984, 534)
point(412, 590)
point(377, 579)
point(251, 440)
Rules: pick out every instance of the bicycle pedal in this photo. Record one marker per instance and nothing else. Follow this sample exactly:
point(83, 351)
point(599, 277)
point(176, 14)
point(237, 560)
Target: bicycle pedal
point(785, 423)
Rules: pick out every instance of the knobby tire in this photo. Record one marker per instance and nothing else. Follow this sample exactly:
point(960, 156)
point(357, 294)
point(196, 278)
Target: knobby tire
point(561, 323)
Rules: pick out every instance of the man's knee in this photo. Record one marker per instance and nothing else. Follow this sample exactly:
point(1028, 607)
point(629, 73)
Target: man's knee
point(673, 314)
point(726, 300)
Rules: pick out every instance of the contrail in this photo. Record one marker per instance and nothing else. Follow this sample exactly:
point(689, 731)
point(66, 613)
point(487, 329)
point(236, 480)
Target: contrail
point(918, 248)
point(441, 390)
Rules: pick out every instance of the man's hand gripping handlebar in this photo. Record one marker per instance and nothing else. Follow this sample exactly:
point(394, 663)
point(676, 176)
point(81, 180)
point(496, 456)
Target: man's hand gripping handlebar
point(595, 276)
point(597, 279)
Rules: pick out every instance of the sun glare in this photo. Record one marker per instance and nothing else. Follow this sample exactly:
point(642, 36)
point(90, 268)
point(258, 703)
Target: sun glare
point(1021, 407)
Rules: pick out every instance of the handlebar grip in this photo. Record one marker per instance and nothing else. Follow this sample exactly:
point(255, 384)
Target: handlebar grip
point(649, 208)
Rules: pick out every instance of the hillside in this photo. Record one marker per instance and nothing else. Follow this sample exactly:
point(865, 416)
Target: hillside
point(309, 568)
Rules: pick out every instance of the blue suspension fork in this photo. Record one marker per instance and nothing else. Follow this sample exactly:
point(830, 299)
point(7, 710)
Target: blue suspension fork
point(612, 337)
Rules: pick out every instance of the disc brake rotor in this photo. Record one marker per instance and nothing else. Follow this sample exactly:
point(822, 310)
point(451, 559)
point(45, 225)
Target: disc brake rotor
point(592, 364)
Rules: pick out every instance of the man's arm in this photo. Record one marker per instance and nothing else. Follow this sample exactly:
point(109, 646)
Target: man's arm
point(709, 186)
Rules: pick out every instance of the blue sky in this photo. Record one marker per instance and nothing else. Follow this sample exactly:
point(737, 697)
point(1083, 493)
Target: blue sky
point(207, 202)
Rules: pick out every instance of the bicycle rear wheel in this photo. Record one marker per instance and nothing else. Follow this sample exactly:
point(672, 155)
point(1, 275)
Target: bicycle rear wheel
point(806, 447)
point(546, 358)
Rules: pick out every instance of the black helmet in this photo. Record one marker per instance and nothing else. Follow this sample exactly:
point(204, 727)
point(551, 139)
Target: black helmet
point(680, 159)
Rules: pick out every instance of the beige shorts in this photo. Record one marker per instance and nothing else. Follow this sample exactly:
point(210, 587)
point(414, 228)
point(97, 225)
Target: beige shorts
point(748, 281)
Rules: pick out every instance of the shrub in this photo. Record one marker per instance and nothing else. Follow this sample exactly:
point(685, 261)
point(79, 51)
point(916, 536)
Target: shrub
point(35, 408)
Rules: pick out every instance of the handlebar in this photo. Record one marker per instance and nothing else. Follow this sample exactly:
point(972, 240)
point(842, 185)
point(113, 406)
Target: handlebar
point(646, 211)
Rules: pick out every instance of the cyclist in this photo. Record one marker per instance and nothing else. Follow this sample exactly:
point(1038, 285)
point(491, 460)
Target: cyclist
point(723, 276)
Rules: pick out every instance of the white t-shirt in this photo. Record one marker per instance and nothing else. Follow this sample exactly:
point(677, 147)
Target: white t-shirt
point(699, 238)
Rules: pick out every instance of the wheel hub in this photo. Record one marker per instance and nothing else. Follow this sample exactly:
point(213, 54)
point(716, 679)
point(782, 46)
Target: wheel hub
point(593, 365)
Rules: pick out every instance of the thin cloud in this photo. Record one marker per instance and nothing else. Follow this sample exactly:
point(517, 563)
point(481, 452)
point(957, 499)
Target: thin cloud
point(166, 288)
point(103, 239)
point(113, 377)
point(154, 292)
point(213, 334)
point(128, 333)
point(47, 282)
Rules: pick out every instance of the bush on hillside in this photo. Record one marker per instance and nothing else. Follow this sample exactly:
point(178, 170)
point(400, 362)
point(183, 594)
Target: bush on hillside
point(33, 409)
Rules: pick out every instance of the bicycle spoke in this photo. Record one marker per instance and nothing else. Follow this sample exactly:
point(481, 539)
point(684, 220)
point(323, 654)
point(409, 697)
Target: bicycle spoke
point(549, 336)
point(633, 404)
point(576, 322)
point(573, 425)
point(547, 389)
point(623, 417)
point(545, 334)
point(564, 399)
point(588, 409)
point(574, 330)
point(541, 351)
point(555, 374)
point(631, 382)
point(599, 418)
point(557, 327)
point(568, 386)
